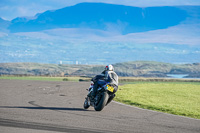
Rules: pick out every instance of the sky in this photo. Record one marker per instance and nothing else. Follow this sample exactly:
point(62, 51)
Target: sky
point(10, 9)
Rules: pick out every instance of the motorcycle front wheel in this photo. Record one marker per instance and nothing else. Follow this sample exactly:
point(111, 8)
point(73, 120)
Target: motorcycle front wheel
point(102, 102)
point(86, 104)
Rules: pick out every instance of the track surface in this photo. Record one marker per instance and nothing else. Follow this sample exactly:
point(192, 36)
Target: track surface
point(47, 107)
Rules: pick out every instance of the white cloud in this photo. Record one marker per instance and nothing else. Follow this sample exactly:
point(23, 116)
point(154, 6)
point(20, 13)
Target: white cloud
point(180, 34)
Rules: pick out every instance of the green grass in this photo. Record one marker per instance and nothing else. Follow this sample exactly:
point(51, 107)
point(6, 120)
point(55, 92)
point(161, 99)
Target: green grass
point(179, 98)
point(42, 78)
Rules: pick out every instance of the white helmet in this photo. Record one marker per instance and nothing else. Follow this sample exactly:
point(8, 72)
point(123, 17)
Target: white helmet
point(109, 68)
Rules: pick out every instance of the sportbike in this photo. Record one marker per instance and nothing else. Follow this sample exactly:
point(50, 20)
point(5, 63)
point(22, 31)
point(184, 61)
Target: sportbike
point(104, 96)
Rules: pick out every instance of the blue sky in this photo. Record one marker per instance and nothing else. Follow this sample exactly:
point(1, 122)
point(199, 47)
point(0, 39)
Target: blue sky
point(10, 9)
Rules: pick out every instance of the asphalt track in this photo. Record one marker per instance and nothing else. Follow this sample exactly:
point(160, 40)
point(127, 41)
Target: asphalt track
point(48, 107)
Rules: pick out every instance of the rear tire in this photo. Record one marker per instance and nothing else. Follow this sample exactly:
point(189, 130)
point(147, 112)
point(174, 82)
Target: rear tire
point(102, 102)
point(86, 105)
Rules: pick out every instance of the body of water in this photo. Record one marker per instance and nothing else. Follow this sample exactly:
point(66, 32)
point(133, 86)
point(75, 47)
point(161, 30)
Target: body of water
point(177, 75)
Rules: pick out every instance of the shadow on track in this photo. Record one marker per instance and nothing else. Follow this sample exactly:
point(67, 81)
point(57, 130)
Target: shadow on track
point(48, 108)
point(44, 108)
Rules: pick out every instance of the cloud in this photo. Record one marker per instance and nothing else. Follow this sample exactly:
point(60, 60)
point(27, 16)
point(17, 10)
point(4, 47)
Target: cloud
point(181, 34)
point(11, 9)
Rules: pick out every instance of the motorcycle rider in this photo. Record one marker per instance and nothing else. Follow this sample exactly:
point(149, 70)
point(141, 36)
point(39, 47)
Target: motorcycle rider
point(108, 76)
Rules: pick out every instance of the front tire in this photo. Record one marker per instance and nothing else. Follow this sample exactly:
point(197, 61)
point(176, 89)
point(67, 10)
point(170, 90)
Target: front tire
point(103, 100)
point(86, 104)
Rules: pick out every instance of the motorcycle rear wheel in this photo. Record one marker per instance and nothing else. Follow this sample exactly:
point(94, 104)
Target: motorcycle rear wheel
point(103, 100)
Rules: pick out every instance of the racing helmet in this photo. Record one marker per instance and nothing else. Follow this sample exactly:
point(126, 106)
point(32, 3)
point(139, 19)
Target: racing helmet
point(109, 68)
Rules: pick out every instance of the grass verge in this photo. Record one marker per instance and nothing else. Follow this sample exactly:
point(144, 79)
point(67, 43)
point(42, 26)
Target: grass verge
point(179, 98)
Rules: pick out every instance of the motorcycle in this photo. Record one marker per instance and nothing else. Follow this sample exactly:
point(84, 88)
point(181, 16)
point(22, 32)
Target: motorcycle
point(104, 96)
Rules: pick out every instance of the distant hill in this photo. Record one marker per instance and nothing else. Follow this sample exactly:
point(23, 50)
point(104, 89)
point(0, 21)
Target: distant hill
point(133, 69)
point(108, 17)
